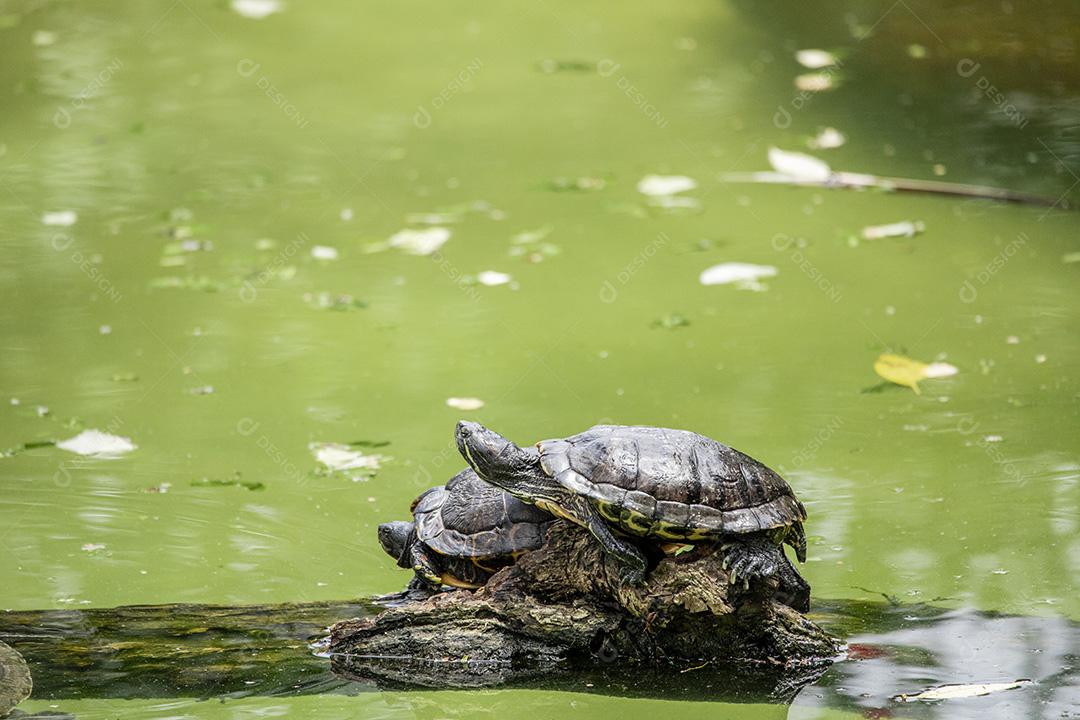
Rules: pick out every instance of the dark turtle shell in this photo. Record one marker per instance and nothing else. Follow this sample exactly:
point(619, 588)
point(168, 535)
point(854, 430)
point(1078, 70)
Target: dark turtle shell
point(673, 484)
point(468, 518)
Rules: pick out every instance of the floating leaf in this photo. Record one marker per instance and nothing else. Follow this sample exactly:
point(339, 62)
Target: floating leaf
point(339, 456)
point(256, 9)
point(32, 445)
point(671, 321)
point(827, 139)
point(917, 52)
point(62, 218)
point(736, 272)
point(420, 242)
point(661, 185)
point(324, 252)
point(904, 371)
point(816, 82)
point(332, 301)
point(799, 166)
point(98, 444)
point(953, 692)
point(815, 59)
point(580, 184)
point(465, 403)
point(234, 481)
point(551, 65)
point(492, 278)
point(907, 228)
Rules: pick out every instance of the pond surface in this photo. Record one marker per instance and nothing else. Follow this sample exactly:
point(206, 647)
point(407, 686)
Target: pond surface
point(194, 223)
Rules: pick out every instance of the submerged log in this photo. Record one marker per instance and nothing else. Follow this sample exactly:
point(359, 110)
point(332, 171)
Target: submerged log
point(564, 606)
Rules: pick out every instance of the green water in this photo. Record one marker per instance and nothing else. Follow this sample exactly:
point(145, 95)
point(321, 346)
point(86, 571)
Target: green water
point(335, 124)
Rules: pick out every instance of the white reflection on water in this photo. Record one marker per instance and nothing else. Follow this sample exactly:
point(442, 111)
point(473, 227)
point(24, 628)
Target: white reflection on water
point(960, 647)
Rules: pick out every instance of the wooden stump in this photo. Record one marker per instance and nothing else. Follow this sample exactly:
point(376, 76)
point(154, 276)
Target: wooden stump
point(563, 606)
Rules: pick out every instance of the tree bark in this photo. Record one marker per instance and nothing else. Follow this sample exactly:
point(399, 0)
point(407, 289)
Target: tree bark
point(563, 606)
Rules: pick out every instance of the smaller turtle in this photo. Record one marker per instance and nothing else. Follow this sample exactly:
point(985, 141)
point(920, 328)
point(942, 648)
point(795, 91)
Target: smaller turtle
point(463, 533)
point(15, 682)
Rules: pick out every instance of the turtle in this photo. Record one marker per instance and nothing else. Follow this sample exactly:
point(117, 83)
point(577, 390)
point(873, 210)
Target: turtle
point(463, 532)
point(15, 682)
point(654, 483)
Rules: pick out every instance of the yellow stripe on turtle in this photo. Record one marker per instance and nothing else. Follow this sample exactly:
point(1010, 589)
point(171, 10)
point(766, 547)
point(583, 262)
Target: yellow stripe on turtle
point(448, 579)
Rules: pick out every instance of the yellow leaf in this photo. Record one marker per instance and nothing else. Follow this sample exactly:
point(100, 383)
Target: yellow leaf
point(907, 372)
point(900, 370)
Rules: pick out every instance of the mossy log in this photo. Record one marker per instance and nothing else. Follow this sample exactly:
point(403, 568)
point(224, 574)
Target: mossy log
point(564, 606)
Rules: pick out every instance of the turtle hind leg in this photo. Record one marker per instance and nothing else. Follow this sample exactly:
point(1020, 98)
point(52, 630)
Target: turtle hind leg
point(751, 558)
point(794, 591)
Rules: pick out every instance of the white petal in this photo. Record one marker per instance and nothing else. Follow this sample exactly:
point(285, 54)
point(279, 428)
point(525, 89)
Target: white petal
point(465, 403)
point(952, 692)
point(814, 58)
point(60, 217)
point(256, 9)
point(323, 252)
point(828, 138)
point(95, 442)
point(733, 272)
point(491, 277)
point(665, 184)
point(906, 228)
point(799, 165)
point(337, 456)
point(420, 242)
point(939, 370)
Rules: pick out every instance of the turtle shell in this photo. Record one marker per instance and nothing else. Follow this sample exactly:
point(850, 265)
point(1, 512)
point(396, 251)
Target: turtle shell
point(15, 682)
point(670, 483)
point(469, 518)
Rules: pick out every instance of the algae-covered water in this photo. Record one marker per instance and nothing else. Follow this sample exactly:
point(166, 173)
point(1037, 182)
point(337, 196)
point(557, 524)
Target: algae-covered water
point(196, 214)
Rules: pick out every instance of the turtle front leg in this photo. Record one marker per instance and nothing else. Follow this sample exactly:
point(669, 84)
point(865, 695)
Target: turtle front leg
point(633, 563)
point(425, 565)
point(751, 558)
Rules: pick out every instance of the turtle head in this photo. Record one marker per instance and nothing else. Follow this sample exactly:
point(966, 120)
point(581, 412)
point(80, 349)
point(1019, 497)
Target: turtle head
point(488, 453)
point(396, 539)
point(503, 464)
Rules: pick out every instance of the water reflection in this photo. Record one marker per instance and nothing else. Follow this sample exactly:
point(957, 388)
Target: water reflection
point(931, 648)
point(244, 652)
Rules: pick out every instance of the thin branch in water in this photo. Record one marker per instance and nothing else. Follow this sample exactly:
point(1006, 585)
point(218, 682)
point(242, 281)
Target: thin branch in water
point(848, 180)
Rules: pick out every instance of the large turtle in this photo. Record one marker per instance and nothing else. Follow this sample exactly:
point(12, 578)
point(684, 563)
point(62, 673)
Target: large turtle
point(463, 533)
point(659, 483)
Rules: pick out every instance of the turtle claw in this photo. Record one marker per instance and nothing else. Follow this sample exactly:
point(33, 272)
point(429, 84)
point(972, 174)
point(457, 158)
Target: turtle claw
point(632, 575)
point(427, 575)
point(745, 584)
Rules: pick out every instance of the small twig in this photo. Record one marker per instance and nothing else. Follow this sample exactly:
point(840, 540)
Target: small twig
point(848, 180)
point(696, 667)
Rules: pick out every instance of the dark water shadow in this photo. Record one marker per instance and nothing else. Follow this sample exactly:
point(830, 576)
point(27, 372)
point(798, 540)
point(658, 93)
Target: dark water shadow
point(208, 652)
